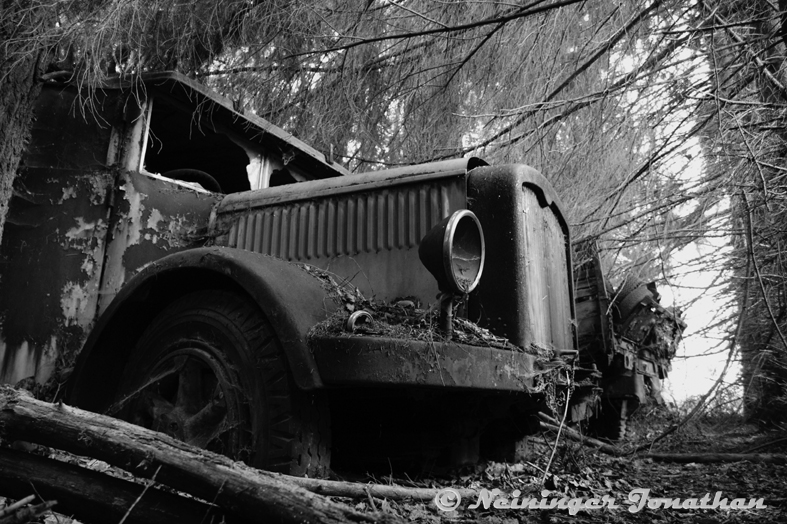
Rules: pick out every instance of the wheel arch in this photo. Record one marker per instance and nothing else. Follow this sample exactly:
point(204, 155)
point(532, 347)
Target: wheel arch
point(291, 299)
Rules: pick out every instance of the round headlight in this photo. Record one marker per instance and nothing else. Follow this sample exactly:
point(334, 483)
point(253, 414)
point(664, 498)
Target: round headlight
point(453, 251)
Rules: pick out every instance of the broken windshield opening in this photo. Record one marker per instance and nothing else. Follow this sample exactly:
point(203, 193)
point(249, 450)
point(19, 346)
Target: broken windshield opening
point(181, 147)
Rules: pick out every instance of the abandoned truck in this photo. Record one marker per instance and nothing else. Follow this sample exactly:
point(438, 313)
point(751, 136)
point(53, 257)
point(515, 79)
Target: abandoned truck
point(186, 266)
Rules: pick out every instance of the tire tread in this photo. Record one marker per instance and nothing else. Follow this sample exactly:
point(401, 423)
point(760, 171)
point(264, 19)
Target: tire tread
point(294, 425)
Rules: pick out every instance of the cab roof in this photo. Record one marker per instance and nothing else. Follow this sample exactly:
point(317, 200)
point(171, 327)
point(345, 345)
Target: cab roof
point(206, 103)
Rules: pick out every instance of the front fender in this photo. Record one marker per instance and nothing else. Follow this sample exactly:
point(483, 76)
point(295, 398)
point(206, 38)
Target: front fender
point(292, 300)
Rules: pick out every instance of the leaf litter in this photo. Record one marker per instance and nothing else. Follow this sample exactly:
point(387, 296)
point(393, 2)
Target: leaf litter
point(402, 318)
point(581, 472)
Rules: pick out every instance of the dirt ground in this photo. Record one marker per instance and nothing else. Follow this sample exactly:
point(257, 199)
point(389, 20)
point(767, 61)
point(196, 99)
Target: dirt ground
point(578, 472)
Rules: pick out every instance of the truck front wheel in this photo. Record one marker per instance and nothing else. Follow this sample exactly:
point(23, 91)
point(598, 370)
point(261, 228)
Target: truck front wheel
point(210, 371)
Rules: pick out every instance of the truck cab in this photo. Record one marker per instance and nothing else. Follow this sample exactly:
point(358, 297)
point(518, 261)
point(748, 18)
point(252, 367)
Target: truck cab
point(199, 271)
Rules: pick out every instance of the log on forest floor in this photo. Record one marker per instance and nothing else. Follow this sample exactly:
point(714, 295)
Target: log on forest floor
point(710, 458)
point(94, 496)
point(240, 491)
point(551, 424)
point(335, 488)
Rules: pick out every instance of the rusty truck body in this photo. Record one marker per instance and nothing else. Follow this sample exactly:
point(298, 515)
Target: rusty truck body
point(627, 335)
point(169, 255)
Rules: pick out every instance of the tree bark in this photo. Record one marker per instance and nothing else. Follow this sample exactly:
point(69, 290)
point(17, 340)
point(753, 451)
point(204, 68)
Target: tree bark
point(708, 458)
point(94, 496)
point(239, 490)
point(336, 488)
point(19, 90)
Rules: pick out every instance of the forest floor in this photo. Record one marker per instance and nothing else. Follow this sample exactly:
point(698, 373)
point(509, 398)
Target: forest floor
point(579, 472)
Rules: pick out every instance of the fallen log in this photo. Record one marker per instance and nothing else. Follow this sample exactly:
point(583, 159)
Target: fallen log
point(710, 458)
point(551, 424)
point(94, 496)
point(766, 444)
point(239, 490)
point(335, 488)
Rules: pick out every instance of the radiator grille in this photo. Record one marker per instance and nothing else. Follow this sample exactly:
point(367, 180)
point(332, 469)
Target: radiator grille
point(387, 219)
point(546, 281)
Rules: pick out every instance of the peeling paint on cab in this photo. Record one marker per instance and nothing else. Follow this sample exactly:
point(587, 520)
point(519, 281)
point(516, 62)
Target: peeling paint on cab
point(74, 301)
point(79, 227)
point(152, 219)
point(88, 238)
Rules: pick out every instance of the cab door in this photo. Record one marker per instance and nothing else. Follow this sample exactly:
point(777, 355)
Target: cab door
point(52, 251)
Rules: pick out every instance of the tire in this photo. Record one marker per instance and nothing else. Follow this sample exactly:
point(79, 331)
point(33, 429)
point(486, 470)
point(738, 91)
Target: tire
point(616, 420)
point(210, 371)
point(631, 293)
point(613, 420)
point(629, 285)
point(630, 302)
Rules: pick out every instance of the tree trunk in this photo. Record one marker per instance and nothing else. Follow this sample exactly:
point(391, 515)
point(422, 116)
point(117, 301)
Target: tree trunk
point(19, 90)
point(93, 496)
point(709, 458)
point(241, 491)
point(335, 488)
